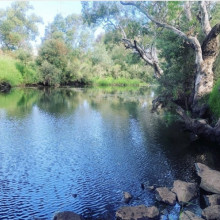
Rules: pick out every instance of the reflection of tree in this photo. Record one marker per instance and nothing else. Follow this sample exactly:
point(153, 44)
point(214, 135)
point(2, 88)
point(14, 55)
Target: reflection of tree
point(58, 101)
point(18, 102)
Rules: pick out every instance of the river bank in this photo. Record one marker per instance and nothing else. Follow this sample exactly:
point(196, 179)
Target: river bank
point(182, 193)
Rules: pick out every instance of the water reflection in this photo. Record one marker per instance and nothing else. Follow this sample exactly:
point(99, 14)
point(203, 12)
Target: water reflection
point(93, 142)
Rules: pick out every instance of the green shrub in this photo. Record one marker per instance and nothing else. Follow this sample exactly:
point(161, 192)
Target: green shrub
point(110, 81)
point(214, 99)
point(9, 71)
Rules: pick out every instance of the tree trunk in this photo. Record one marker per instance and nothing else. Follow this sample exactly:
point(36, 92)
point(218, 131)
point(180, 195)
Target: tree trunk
point(204, 72)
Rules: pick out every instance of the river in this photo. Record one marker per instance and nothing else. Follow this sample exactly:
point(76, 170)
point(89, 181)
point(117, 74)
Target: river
point(79, 149)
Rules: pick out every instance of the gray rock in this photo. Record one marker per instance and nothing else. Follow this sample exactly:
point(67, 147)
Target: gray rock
point(67, 215)
point(140, 212)
point(212, 200)
point(211, 213)
point(187, 215)
point(127, 197)
point(185, 191)
point(165, 195)
point(210, 179)
point(150, 188)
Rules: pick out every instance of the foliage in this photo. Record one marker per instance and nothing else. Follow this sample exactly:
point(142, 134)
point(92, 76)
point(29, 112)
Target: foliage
point(9, 71)
point(52, 61)
point(109, 81)
point(178, 65)
point(214, 99)
point(16, 73)
point(17, 28)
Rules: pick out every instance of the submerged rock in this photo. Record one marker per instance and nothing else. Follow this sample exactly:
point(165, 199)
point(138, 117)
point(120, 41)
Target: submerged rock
point(127, 197)
point(185, 191)
point(5, 87)
point(187, 215)
point(67, 215)
point(140, 212)
point(165, 195)
point(211, 213)
point(210, 179)
point(212, 200)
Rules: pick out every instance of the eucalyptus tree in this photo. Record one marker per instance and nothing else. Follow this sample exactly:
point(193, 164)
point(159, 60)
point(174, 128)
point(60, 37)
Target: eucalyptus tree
point(190, 21)
point(129, 24)
point(206, 48)
point(196, 24)
point(17, 26)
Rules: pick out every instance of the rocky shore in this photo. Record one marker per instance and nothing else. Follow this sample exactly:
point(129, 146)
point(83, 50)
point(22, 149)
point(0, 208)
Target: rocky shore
point(182, 193)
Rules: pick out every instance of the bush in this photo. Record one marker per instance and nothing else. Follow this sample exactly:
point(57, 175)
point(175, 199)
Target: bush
point(109, 81)
point(9, 71)
point(214, 99)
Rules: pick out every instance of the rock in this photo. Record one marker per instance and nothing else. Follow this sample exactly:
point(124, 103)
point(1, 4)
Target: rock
point(212, 200)
point(150, 188)
point(67, 215)
point(5, 87)
point(210, 179)
point(187, 215)
point(127, 197)
point(146, 186)
point(165, 195)
point(140, 212)
point(185, 191)
point(74, 195)
point(211, 213)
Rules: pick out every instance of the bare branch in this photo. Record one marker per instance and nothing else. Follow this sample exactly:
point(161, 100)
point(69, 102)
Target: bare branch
point(190, 39)
point(187, 8)
point(206, 27)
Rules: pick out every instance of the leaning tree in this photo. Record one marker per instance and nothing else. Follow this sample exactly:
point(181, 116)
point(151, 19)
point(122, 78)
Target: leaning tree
point(189, 21)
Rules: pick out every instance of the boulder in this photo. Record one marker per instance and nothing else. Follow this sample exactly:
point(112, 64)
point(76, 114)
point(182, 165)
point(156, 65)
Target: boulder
point(140, 212)
point(185, 191)
point(210, 179)
point(211, 212)
point(127, 197)
point(212, 200)
point(187, 215)
point(165, 195)
point(67, 215)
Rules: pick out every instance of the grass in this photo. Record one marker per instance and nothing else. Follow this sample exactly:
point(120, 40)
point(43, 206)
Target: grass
point(16, 73)
point(214, 99)
point(109, 81)
point(9, 72)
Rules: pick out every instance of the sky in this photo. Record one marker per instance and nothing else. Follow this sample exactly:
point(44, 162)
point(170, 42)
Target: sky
point(47, 10)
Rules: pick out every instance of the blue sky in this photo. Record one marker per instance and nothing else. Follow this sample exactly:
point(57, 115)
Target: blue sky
point(48, 9)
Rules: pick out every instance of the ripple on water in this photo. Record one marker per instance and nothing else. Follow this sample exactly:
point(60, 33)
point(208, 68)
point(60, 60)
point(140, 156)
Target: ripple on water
point(91, 145)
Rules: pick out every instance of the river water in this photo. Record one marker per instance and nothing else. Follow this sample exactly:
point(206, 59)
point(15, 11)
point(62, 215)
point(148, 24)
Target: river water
point(79, 149)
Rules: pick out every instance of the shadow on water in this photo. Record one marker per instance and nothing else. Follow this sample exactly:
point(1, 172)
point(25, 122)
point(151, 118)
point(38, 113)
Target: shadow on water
point(94, 143)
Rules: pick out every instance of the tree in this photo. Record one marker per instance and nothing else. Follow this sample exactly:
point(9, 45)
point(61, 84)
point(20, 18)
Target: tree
point(52, 61)
point(17, 28)
point(71, 30)
point(188, 24)
point(205, 52)
point(131, 26)
point(170, 16)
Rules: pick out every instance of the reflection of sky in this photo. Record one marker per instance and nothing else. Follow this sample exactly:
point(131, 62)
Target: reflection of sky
point(99, 149)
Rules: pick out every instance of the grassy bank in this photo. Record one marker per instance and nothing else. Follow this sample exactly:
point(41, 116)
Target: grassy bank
point(9, 72)
point(109, 81)
point(16, 73)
